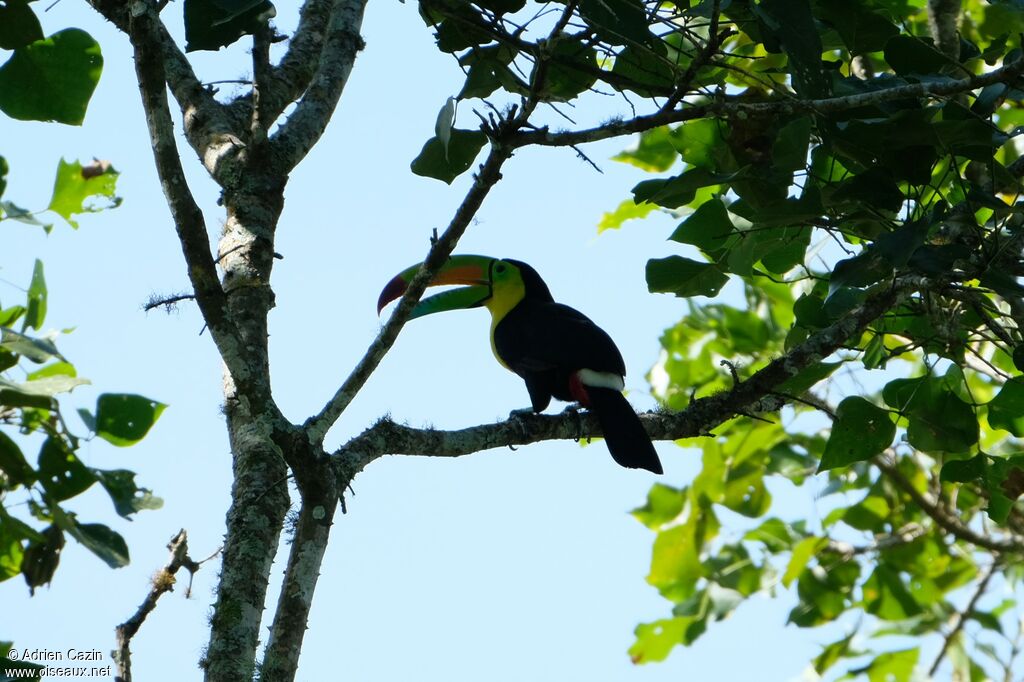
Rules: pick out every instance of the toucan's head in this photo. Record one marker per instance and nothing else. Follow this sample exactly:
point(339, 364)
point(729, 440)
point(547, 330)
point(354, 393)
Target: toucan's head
point(498, 283)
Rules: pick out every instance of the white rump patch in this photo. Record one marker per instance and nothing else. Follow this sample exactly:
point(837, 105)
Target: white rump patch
point(589, 377)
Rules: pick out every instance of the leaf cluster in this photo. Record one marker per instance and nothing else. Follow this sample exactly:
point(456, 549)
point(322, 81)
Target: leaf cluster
point(31, 415)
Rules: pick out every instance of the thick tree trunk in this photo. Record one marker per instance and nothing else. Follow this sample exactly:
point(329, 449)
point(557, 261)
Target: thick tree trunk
point(260, 498)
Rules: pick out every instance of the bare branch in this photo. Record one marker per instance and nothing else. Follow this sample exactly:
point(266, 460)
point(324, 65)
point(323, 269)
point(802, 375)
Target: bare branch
point(962, 616)
point(287, 81)
point(441, 248)
point(144, 31)
point(162, 583)
point(304, 127)
point(194, 99)
point(730, 107)
point(308, 545)
point(168, 303)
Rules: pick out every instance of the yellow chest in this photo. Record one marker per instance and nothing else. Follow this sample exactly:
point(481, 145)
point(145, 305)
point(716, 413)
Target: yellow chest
point(502, 300)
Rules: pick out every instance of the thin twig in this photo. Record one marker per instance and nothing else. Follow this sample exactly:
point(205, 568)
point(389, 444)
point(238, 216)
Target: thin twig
point(947, 521)
point(962, 616)
point(162, 583)
point(730, 107)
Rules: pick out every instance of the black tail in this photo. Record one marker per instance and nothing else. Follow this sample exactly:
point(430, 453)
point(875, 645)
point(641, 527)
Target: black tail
point(627, 440)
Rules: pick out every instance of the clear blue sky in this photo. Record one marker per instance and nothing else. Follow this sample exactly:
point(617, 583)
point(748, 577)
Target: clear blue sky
point(506, 566)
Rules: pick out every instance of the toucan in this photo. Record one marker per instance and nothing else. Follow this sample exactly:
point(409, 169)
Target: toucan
point(557, 350)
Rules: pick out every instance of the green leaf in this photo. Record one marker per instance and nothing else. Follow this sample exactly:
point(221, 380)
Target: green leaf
point(620, 22)
point(571, 70)
point(664, 504)
point(708, 228)
point(36, 308)
point(775, 534)
point(965, 470)
point(57, 369)
point(18, 26)
point(886, 596)
point(802, 554)
point(127, 497)
point(75, 185)
point(808, 377)
point(101, 541)
point(213, 24)
point(51, 79)
point(627, 210)
point(939, 421)
point(654, 151)
point(1018, 357)
point(831, 654)
point(861, 29)
point(860, 271)
point(861, 431)
point(655, 641)
point(124, 419)
point(684, 277)
point(680, 190)
point(36, 350)
point(1006, 410)
point(645, 71)
point(446, 165)
point(13, 464)
point(791, 24)
point(875, 354)
point(701, 143)
point(61, 473)
point(42, 557)
point(489, 70)
point(893, 666)
point(46, 387)
point(910, 55)
point(3, 181)
point(22, 215)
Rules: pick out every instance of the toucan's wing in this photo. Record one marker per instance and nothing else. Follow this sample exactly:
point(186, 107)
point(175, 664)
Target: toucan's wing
point(537, 337)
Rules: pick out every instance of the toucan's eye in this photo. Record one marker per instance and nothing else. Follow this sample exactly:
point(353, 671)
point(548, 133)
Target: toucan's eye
point(499, 268)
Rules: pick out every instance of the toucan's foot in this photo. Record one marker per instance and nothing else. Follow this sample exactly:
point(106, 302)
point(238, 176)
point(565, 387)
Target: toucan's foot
point(517, 416)
point(574, 409)
point(520, 412)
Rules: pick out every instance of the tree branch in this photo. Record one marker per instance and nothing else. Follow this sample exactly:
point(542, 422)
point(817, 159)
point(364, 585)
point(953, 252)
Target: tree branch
point(755, 394)
point(730, 107)
point(144, 31)
point(483, 181)
point(304, 127)
point(949, 522)
point(292, 76)
point(162, 583)
point(962, 616)
point(202, 112)
point(308, 545)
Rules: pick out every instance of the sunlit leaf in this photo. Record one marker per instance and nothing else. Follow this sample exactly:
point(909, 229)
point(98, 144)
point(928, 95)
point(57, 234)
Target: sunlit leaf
point(83, 189)
point(124, 419)
point(51, 79)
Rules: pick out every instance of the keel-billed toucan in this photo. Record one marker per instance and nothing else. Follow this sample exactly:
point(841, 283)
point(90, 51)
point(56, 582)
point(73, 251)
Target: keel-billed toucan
point(557, 350)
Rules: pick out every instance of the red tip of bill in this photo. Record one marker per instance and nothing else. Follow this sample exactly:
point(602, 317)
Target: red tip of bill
point(395, 288)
